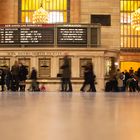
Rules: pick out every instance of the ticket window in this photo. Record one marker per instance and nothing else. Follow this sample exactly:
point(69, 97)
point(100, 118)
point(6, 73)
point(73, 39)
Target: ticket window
point(44, 68)
point(26, 62)
point(4, 62)
point(83, 63)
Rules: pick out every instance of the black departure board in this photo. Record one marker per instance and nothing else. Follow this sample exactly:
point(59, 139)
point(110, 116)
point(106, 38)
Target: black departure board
point(50, 34)
point(72, 35)
point(27, 34)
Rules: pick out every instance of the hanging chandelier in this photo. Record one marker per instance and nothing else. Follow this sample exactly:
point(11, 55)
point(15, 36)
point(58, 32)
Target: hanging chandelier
point(40, 16)
point(136, 19)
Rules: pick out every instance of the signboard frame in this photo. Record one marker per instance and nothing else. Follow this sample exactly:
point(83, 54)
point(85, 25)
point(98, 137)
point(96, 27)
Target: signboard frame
point(72, 35)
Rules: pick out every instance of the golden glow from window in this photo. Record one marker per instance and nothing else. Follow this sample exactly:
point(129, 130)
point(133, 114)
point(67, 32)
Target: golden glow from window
point(127, 65)
point(40, 16)
point(136, 19)
point(55, 17)
point(57, 10)
point(53, 4)
point(129, 5)
point(129, 36)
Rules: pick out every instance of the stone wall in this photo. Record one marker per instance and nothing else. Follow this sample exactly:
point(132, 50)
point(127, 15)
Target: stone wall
point(8, 11)
point(110, 34)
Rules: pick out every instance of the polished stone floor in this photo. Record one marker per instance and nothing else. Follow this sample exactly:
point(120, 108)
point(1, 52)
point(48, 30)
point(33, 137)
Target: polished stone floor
point(66, 116)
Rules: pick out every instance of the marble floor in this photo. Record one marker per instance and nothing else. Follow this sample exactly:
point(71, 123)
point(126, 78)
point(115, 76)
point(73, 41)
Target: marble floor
point(69, 116)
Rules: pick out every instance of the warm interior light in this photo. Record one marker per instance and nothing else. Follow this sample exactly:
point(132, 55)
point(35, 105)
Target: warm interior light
point(55, 17)
point(136, 19)
point(40, 16)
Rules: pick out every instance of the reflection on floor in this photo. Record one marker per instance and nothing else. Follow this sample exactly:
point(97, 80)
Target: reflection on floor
point(69, 116)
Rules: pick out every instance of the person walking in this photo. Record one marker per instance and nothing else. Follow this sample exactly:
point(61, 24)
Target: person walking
point(34, 84)
point(86, 78)
point(23, 72)
point(89, 78)
point(8, 78)
point(66, 75)
point(15, 76)
point(92, 78)
point(2, 78)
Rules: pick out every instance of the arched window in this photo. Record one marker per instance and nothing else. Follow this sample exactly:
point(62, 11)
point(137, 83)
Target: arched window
point(129, 36)
point(58, 10)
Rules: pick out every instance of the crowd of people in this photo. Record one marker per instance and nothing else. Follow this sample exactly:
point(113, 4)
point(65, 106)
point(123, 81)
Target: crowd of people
point(89, 77)
point(14, 79)
point(124, 81)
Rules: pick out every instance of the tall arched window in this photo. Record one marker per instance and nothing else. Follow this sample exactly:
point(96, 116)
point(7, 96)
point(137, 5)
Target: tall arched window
point(58, 10)
point(129, 36)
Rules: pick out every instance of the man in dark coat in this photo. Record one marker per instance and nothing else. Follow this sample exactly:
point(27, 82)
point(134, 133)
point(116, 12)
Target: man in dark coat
point(34, 84)
point(86, 78)
point(33, 74)
point(23, 72)
point(92, 78)
point(2, 79)
point(66, 75)
point(89, 78)
point(8, 78)
point(15, 76)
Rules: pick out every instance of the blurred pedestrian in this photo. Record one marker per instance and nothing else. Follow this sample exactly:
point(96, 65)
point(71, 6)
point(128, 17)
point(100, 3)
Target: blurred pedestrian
point(33, 77)
point(66, 84)
point(92, 78)
point(23, 72)
point(2, 78)
point(89, 78)
point(8, 78)
point(15, 76)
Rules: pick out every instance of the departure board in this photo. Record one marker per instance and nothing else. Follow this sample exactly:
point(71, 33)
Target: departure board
point(50, 34)
point(72, 35)
point(27, 34)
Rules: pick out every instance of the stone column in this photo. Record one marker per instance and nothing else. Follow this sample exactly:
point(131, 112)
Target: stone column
point(102, 73)
point(75, 67)
point(75, 6)
point(34, 62)
point(99, 71)
point(12, 60)
point(54, 66)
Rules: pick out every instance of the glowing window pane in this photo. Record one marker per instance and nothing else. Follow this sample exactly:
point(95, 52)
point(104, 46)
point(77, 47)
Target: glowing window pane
point(55, 17)
point(56, 8)
point(65, 16)
point(23, 17)
point(138, 43)
point(126, 65)
point(23, 5)
point(129, 5)
point(65, 3)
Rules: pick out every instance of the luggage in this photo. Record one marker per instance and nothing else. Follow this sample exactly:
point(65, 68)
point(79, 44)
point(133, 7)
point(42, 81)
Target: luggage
point(35, 86)
point(108, 86)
